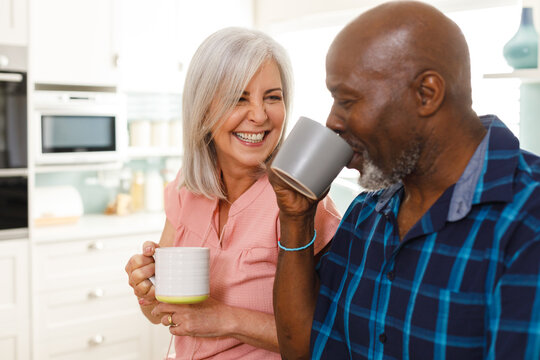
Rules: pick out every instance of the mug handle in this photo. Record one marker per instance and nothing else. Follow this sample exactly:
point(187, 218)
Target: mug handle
point(153, 277)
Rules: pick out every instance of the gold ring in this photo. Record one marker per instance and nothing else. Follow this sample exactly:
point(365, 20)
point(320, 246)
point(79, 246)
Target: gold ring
point(169, 319)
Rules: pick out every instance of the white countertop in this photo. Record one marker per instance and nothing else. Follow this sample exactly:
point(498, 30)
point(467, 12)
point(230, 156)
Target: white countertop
point(98, 226)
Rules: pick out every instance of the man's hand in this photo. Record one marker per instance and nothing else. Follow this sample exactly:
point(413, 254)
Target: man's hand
point(291, 203)
point(295, 285)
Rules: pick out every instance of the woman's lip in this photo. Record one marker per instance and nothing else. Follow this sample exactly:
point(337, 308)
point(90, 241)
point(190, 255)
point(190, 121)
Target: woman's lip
point(254, 142)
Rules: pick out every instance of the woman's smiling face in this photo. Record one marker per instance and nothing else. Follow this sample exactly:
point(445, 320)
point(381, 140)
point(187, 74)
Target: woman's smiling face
point(251, 131)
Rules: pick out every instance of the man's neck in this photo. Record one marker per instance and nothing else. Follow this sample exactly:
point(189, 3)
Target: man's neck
point(439, 168)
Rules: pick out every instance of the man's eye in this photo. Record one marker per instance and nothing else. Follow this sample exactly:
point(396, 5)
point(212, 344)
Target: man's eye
point(345, 103)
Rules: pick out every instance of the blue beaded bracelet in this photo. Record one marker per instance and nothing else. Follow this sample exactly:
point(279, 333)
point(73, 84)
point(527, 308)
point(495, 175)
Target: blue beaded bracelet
point(301, 247)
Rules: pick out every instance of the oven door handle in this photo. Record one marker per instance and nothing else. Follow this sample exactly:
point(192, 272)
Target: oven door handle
point(11, 77)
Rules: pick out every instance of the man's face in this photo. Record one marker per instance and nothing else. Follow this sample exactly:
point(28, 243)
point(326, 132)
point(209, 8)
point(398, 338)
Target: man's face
point(373, 111)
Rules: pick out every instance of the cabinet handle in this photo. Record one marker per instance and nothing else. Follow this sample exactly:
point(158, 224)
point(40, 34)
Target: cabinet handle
point(95, 293)
point(117, 61)
point(4, 61)
point(96, 245)
point(96, 340)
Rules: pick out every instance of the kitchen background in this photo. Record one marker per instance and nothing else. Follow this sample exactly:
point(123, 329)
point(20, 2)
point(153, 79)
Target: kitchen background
point(123, 62)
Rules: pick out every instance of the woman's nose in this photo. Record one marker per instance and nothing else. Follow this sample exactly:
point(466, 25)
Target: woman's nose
point(257, 113)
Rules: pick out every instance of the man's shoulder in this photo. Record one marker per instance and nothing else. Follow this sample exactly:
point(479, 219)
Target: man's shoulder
point(365, 203)
point(530, 165)
point(527, 178)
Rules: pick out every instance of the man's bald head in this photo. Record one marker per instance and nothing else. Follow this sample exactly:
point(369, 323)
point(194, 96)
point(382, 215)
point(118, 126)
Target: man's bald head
point(406, 37)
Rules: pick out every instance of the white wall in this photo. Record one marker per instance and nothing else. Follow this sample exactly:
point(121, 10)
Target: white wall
point(275, 14)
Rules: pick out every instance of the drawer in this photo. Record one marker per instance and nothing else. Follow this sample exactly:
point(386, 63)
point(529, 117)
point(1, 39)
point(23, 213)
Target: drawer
point(120, 337)
point(69, 264)
point(85, 303)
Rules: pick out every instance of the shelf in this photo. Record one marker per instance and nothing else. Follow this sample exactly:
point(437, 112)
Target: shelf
point(525, 75)
point(146, 152)
point(78, 167)
point(13, 172)
point(102, 226)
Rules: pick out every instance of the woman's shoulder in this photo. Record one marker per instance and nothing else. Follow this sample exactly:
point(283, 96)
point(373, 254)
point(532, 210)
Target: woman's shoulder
point(181, 203)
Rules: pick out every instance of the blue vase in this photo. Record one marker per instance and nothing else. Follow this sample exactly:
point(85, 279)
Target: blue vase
point(521, 52)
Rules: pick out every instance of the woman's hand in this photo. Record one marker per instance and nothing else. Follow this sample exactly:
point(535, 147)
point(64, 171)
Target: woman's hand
point(209, 318)
point(139, 268)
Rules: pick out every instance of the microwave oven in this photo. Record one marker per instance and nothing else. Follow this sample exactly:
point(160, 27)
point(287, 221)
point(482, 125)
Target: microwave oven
point(79, 127)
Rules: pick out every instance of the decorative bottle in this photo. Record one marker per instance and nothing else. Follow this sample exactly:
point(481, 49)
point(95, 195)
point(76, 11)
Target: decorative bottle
point(521, 52)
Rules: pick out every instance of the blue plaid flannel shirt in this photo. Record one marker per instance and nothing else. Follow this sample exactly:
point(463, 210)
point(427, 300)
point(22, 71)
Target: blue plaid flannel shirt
point(463, 284)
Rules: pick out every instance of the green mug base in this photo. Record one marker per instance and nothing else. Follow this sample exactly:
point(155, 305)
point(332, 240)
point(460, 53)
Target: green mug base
point(182, 299)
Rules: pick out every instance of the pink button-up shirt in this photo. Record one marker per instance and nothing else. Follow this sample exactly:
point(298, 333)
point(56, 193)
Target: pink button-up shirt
point(242, 259)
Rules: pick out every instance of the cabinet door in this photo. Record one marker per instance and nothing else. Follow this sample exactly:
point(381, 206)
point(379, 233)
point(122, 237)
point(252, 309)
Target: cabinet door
point(14, 22)
point(150, 45)
point(14, 307)
point(73, 42)
point(158, 38)
point(84, 307)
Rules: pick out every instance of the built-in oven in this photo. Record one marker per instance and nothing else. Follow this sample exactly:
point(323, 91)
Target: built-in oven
point(13, 108)
point(13, 143)
point(13, 205)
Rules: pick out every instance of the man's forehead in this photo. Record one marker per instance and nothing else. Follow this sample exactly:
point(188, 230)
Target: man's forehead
point(345, 81)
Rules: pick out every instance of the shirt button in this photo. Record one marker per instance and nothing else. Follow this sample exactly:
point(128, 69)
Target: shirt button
point(382, 338)
point(391, 275)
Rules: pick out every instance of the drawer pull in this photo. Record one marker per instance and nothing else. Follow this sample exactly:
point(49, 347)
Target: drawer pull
point(95, 293)
point(96, 245)
point(96, 340)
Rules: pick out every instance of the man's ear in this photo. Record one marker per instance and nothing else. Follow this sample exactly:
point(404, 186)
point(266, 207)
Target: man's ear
point(430, 91)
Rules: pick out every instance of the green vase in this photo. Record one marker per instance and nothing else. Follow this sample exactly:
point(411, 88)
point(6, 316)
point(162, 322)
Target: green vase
point(521, 52)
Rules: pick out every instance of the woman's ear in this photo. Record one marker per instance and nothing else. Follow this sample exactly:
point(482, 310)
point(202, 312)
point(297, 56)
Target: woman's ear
point(430, 91)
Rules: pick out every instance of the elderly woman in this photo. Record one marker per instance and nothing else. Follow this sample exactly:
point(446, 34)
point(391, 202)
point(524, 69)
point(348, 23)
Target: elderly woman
point(235, 103)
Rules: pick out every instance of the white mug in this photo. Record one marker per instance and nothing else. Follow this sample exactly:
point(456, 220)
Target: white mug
point(182, 274)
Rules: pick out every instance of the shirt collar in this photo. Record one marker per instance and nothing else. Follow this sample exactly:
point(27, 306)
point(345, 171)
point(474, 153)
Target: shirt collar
point(462, 197)
point(495, 158)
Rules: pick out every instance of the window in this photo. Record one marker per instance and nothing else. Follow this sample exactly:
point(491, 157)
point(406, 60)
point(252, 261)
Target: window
point(486, 31)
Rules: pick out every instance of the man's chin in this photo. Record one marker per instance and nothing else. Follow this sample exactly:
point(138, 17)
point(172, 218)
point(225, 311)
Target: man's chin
point(372, 178)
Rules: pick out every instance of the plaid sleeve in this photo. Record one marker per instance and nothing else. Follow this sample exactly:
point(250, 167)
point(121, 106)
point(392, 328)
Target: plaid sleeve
point(514, 309)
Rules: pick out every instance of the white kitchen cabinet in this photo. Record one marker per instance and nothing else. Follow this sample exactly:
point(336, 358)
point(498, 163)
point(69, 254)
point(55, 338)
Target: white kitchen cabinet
point(151, 45)
point(74, 42)
point(14, 302)
point(83, 305)
point(158, 38)
point(14, 22)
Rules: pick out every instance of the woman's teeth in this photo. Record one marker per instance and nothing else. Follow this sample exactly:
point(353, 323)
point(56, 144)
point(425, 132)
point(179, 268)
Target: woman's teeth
point(250, 137)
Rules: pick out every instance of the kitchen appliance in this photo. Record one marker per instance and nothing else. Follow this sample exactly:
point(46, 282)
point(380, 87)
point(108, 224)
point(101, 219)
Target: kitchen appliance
point(75, 126)
point(13, 143)
point(48, 210)
point(13, 206)
point(13, 108)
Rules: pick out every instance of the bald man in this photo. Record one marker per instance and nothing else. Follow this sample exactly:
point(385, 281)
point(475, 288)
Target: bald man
point(441, 258)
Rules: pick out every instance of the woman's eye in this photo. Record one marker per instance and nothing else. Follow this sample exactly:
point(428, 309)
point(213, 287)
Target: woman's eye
point(275, 98)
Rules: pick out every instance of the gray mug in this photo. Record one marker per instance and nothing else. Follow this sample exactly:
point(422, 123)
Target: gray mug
point(311, 157)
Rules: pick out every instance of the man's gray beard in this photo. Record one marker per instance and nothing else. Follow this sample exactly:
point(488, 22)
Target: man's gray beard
point(373, 178)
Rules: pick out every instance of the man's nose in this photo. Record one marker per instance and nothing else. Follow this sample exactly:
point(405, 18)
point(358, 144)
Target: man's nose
point(335, 123)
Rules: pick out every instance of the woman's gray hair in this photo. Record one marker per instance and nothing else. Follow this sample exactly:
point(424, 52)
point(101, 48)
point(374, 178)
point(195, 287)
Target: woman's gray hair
point(221, 69)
